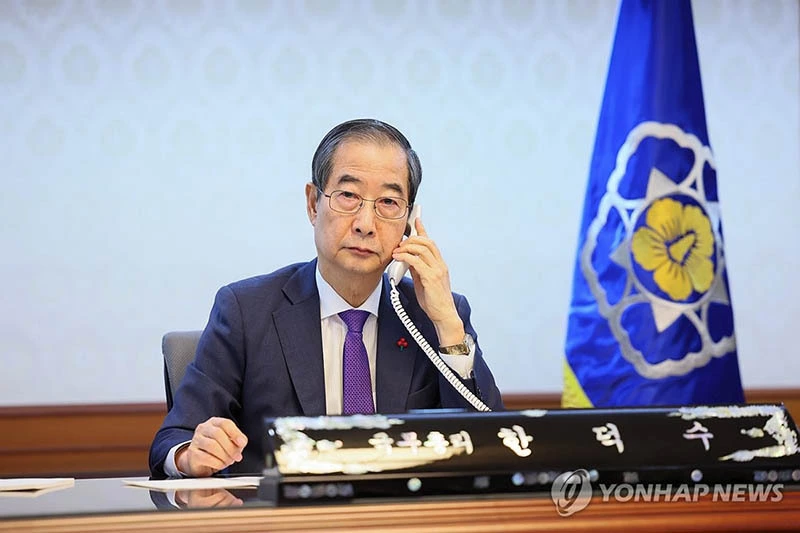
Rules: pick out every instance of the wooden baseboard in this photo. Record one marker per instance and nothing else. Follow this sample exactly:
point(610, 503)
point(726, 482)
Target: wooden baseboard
point(78, 440)
point(114, 439)
point(789, 397)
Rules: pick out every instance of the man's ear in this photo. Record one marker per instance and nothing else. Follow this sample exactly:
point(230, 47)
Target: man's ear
point(312, 195)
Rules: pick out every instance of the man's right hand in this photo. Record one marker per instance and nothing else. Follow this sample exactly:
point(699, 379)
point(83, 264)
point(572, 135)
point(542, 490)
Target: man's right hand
point(206, 498)
point(216, 444)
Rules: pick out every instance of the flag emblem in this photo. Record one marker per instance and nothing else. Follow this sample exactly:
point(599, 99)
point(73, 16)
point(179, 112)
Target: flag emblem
point(669, 253)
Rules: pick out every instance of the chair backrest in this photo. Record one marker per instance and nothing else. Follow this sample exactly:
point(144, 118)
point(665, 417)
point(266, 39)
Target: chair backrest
point(178, 348)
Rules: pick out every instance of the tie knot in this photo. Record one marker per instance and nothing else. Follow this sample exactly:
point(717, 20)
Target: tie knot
point(354, 319)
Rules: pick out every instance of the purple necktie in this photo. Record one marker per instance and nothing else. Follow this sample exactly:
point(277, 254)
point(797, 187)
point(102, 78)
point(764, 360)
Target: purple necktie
point(357, 384)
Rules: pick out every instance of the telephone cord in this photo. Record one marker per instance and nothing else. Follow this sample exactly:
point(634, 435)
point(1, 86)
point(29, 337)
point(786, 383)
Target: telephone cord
point(438, 362)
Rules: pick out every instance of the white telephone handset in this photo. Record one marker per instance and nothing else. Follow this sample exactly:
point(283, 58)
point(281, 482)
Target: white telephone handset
point(395, 271)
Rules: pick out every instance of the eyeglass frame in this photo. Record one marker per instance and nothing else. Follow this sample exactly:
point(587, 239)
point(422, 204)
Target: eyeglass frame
point(361, 205)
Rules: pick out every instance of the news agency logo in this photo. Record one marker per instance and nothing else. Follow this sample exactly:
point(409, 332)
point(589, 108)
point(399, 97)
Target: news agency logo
point(572, 491)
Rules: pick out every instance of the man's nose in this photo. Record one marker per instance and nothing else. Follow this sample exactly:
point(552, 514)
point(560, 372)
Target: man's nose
point(364, 222)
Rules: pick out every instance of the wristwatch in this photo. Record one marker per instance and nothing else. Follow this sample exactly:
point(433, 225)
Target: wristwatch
point(464, 348)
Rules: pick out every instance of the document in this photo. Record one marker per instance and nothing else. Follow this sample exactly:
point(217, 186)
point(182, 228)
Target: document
point(33, 486)
point(165, 485)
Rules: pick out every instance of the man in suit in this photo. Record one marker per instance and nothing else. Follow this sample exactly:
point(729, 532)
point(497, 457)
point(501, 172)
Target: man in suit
point(273, 345)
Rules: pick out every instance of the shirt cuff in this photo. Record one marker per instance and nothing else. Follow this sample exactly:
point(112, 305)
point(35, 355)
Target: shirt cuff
point(461, 364)
point(170, 467)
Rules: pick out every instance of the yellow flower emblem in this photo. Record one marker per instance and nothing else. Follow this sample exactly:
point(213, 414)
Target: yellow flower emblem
point(676, 244)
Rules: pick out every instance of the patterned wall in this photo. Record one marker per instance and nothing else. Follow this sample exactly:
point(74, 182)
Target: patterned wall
point(153, 151)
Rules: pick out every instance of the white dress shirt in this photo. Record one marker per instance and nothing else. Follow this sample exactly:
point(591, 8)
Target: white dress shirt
point(333, 333)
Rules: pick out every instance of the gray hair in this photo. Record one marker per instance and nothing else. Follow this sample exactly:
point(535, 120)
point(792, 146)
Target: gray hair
point(364, 129)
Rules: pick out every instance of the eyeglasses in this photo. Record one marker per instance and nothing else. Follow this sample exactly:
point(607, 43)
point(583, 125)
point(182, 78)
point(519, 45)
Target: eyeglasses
point(349, 203)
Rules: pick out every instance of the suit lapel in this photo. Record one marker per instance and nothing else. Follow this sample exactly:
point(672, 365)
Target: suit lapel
point(395, 367)
point(298, 328)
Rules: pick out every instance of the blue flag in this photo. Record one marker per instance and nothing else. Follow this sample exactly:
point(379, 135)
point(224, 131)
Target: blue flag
point(650, 320)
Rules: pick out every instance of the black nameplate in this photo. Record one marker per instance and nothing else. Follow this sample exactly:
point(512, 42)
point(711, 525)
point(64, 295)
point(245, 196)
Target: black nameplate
point(439, 452)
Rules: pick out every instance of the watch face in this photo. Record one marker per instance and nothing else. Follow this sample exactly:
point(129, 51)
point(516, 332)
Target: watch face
point(469, 341)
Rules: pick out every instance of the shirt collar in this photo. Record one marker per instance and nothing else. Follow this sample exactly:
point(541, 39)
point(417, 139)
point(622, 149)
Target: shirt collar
point(330, 303)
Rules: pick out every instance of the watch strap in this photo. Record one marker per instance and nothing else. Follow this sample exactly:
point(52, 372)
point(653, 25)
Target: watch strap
point(462, 348)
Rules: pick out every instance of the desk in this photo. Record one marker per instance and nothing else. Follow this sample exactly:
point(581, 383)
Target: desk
point(100, 505)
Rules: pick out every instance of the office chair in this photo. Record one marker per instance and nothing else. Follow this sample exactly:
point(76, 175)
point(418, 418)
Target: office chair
point(178, 348)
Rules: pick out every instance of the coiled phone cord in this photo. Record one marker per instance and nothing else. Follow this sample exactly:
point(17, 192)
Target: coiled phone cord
point(394, 296)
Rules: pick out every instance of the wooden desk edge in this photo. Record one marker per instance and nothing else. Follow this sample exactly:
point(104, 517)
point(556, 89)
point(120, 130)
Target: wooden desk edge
point(473, 515)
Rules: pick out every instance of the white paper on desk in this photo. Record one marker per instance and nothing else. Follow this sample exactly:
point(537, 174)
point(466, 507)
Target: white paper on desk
point(165, 485)
point(34, 486)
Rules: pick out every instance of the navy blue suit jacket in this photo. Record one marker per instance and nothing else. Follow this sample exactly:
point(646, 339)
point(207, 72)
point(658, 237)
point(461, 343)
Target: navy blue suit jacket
point(261, 356)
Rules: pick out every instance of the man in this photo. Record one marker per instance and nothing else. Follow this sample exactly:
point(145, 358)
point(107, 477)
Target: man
point(277, 345)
